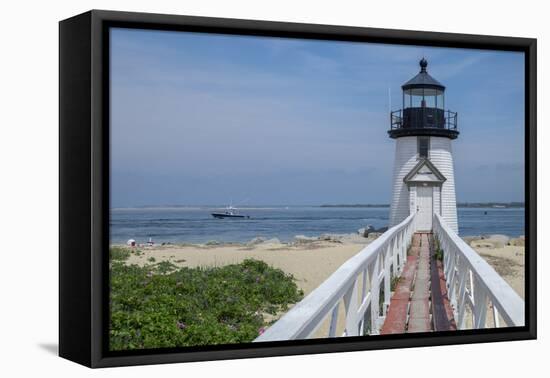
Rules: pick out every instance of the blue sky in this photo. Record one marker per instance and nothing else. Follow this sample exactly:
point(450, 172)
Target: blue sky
point(205, 119)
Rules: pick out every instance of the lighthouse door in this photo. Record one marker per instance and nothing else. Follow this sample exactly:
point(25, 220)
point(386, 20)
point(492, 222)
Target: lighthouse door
point(424, 208)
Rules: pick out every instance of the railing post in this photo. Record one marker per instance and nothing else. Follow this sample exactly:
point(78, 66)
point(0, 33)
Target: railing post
point(387, 279)
point(364, 294)
point(408, 239)
point(364, 285)
point(480, 305)
point(461, 295)
point(396, 262)
point(375, 296)
point(333, 321)
point(452, 277)
point(472, 288)
point(447, 258)
point(495, 316)
point(350, 303)
point(402, 249)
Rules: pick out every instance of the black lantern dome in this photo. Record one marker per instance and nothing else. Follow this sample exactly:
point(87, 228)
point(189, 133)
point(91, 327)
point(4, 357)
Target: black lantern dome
point(423, 111)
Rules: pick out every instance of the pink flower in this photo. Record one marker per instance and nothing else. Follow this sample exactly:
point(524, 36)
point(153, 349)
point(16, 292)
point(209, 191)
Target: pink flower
point(261, 330)
point(181, 325)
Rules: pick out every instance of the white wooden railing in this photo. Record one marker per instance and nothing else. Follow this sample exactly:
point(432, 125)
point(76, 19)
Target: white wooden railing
point(474, 287)
point(355, 287)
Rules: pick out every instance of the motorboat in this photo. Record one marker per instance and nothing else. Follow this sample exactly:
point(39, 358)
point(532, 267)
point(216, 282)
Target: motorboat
point(230, 212)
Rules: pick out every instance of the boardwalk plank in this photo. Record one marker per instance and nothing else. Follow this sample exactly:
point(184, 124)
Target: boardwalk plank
point(443, 316)
point(419, 319)
point(420, 302)
point(396, 318)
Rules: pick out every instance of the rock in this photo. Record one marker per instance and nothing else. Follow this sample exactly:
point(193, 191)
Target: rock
point(272, 241)
point(481, 244)
point(382, 229)
point(366, 231)
point(498, 240)
point(374, 235)
point(331, 237)
point(257, 240)
point(488, 241)
point(517, 242)
point(470, 239)
point(302, 239)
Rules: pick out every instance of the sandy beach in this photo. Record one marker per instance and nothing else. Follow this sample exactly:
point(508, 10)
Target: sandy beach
point(313, 261)
point(310, 263)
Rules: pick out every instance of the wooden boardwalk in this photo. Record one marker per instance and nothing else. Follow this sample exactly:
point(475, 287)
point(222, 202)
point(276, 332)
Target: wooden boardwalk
point(420, 302)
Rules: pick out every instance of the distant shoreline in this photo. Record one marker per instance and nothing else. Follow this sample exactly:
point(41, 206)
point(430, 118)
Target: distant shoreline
point(496, 205)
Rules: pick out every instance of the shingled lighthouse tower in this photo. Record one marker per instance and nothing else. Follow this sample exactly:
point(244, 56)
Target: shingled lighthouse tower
point(423, 176)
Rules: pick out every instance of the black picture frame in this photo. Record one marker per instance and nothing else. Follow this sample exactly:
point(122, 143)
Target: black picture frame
point(84, 185)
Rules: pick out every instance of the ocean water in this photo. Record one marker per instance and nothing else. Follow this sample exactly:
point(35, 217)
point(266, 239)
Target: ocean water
point(196, 225)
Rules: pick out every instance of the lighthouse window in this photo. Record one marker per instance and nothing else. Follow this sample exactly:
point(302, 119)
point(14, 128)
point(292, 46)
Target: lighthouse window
point(429, 101)
point(423, 147)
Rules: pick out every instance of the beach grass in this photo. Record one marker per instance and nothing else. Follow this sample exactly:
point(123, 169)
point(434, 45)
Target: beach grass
point(163, 306)
point(119, 253)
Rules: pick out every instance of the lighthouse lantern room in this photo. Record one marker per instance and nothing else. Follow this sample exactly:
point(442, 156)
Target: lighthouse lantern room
point(423, 176)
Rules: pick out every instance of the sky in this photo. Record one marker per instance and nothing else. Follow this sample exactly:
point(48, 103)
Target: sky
point(207, 119)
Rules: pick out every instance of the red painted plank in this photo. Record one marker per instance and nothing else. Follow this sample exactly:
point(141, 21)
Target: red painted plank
point(396, 317)
point(429, 284)
point(443, 316)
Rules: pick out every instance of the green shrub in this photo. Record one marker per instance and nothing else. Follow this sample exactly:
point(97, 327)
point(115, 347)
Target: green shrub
point(119, 253)
point(165, 267)
point(393, 283)
point(151, 308)
point(438, 252)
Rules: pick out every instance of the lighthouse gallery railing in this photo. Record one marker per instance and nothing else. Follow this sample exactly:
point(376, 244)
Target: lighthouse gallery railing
point(357, 288)
point(474, 287)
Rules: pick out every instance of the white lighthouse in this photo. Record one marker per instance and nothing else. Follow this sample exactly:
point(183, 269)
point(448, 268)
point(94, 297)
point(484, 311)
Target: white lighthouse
point(423, 175)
